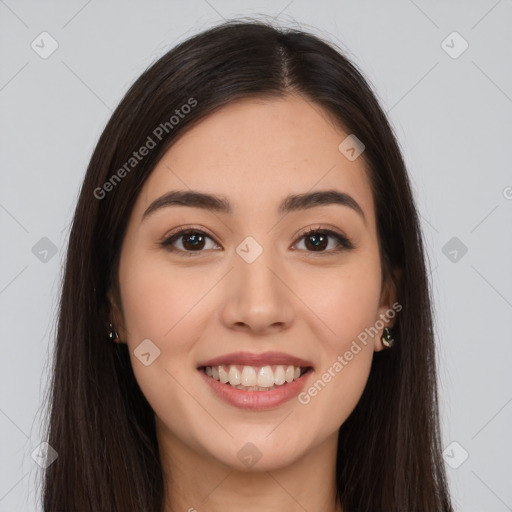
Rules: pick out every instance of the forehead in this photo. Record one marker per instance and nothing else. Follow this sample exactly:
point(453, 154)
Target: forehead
point(256, 151)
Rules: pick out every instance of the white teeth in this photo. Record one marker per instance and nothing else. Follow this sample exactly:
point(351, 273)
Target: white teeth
point(248, 376)
point(251, 378)
point(279, 376)
point(234, 375)
point(266, 377)
point(223, 375)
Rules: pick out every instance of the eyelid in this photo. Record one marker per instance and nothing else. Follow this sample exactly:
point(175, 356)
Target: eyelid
point(186, 228)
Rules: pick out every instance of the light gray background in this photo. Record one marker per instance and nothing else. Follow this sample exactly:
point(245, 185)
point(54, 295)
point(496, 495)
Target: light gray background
point(453, 117)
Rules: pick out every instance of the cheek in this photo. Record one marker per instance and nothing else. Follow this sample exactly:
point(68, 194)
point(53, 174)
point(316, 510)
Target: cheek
point(157, 302)
point(346, 305)
point(343, 302)
point(161, 306)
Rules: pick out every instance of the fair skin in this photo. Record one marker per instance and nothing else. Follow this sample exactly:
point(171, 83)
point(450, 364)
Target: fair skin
point(211, 302)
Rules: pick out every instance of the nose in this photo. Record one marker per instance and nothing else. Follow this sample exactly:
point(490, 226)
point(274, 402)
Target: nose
point(258, 296)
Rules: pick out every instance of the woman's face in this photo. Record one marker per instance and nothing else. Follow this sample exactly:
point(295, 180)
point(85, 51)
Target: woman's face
point(247, 279)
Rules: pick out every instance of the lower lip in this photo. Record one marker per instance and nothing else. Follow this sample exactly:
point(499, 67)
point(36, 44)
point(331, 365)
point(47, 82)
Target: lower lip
point(257, 400)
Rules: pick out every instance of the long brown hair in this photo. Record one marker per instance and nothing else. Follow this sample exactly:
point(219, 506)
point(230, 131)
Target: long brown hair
point(100, 423)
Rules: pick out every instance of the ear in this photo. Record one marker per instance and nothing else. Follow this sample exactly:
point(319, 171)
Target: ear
point(389, 307)
point(116, 316)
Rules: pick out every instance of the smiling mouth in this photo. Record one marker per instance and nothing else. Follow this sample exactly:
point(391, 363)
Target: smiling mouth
point(255, 378)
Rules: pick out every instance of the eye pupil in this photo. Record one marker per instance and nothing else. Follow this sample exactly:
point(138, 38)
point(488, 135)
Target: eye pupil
point(194, 239)
point(319, 241)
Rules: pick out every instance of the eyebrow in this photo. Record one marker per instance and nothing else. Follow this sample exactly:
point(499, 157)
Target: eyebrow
point(221, 204)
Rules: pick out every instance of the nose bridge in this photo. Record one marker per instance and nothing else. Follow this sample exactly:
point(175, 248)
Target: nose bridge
point(256, 295)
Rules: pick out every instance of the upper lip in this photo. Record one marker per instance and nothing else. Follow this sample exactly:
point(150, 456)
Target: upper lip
point(263, 359)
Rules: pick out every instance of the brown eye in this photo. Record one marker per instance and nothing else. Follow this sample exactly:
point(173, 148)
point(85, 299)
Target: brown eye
point(188, 240)
point(318, 240)
point(193, 241)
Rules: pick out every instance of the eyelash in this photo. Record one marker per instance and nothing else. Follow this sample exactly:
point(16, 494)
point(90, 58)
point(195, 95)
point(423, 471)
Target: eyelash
point(343, 241)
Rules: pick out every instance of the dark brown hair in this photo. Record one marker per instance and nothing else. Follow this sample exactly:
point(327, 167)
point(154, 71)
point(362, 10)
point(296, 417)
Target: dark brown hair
point(99, 421)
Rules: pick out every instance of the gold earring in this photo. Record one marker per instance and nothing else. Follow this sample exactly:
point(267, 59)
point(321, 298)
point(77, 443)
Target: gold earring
point(112, 334)
point(387, 338)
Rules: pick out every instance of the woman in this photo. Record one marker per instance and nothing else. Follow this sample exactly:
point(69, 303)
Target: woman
point(245, 320)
